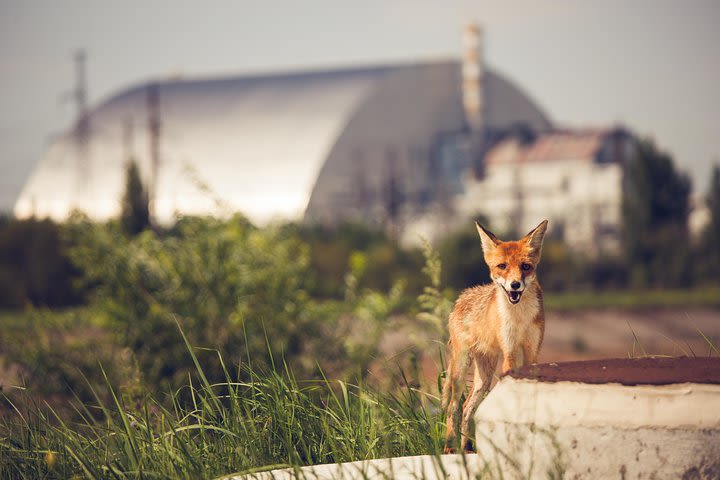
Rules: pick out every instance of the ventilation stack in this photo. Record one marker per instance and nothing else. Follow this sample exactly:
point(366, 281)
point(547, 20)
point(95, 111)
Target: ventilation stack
point(474, 98)
point(472, 77)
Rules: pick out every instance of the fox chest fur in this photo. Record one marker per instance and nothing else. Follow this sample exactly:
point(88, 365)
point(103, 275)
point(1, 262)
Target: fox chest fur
point(486, 323)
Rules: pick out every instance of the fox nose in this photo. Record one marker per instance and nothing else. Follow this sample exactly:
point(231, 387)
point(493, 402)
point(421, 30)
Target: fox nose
point(515, 285)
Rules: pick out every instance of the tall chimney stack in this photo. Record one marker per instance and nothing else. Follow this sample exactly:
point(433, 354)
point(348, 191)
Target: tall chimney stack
point(472, 77)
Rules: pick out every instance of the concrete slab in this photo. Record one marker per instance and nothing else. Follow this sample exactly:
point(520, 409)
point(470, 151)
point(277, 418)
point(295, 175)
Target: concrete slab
point(561, 429)
point(451, 467)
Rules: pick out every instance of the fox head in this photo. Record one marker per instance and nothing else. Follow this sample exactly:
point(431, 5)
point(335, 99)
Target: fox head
point(513, 264)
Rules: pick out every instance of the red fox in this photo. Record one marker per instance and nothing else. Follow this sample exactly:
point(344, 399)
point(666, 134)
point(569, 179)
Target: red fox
point(504, 318)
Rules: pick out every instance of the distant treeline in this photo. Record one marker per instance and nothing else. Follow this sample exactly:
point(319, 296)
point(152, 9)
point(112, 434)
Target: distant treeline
point(656, 248)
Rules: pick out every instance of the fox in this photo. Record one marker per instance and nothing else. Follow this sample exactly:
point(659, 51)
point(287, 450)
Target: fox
point(503, 319)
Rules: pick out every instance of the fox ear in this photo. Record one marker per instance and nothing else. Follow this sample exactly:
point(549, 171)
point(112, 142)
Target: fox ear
point(488, 239)
point(535, 239)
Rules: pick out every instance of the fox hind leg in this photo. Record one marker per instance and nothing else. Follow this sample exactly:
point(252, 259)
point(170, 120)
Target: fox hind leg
point(452, 391)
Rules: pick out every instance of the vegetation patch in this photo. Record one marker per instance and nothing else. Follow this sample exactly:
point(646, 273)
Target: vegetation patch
point(254, 419)
point(634, 299)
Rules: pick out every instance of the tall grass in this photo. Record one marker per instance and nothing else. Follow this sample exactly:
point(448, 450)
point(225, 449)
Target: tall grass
point(254, 420)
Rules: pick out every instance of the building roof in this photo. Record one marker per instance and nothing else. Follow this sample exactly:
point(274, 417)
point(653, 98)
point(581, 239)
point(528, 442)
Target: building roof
point(577, 145)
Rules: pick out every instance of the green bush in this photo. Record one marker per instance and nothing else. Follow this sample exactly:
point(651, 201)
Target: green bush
point(385, 261)
point(231, 286)
point(462, 259)
point(34, 267)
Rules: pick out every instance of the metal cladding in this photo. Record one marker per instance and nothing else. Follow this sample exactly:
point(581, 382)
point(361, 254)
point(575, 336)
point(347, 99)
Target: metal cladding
point(264, 144)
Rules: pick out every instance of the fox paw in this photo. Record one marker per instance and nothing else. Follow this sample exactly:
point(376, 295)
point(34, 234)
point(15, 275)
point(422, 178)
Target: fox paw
point(468, 447)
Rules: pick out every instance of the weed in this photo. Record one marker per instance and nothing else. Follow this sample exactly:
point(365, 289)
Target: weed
point(252, 420)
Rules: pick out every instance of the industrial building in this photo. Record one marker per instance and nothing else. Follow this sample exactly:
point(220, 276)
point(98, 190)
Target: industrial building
point(572, 177)
point(416, 148)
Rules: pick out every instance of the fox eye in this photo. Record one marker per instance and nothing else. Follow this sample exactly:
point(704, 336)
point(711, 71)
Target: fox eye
point(502, 266)
point(526, 267)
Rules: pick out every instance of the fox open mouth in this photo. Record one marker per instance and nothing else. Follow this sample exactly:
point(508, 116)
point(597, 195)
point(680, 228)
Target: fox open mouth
point(513, 296)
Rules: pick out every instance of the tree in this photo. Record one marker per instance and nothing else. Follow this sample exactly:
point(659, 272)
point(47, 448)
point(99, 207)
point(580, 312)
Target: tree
point(135, 216)
point(710, 252)
point(655, 219)
point(34, 267)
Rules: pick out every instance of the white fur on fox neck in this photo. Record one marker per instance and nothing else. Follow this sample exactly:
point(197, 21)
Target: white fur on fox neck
point(516, 318)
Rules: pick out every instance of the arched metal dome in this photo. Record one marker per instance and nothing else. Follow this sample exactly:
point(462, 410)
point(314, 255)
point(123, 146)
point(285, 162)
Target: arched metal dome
point(261, 144)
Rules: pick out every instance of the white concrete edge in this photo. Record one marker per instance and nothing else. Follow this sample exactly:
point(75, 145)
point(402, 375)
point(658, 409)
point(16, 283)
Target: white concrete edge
point(559, 404)
point(457, 466)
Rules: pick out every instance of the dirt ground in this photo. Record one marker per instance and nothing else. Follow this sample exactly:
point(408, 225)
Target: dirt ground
point(610, 333)
point(586, 335)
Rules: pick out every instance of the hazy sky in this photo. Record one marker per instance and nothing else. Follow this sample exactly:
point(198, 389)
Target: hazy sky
point(652, 65)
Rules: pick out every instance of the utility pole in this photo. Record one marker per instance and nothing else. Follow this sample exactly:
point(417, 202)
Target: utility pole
point(80, 93)
point(128, 139)
point(81, 133)
point(154, 124)
point(517, 216)
point(393, 195)
point(363, 200)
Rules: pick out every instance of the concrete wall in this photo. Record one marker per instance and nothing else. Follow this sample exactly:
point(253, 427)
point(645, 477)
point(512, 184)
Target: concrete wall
point(576, 430)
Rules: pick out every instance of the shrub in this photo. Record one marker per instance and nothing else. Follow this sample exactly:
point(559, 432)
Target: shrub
point(230, 285)
point(34, 267)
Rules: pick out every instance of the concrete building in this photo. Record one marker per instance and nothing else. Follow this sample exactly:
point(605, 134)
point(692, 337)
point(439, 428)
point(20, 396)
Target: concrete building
point(572, 178)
